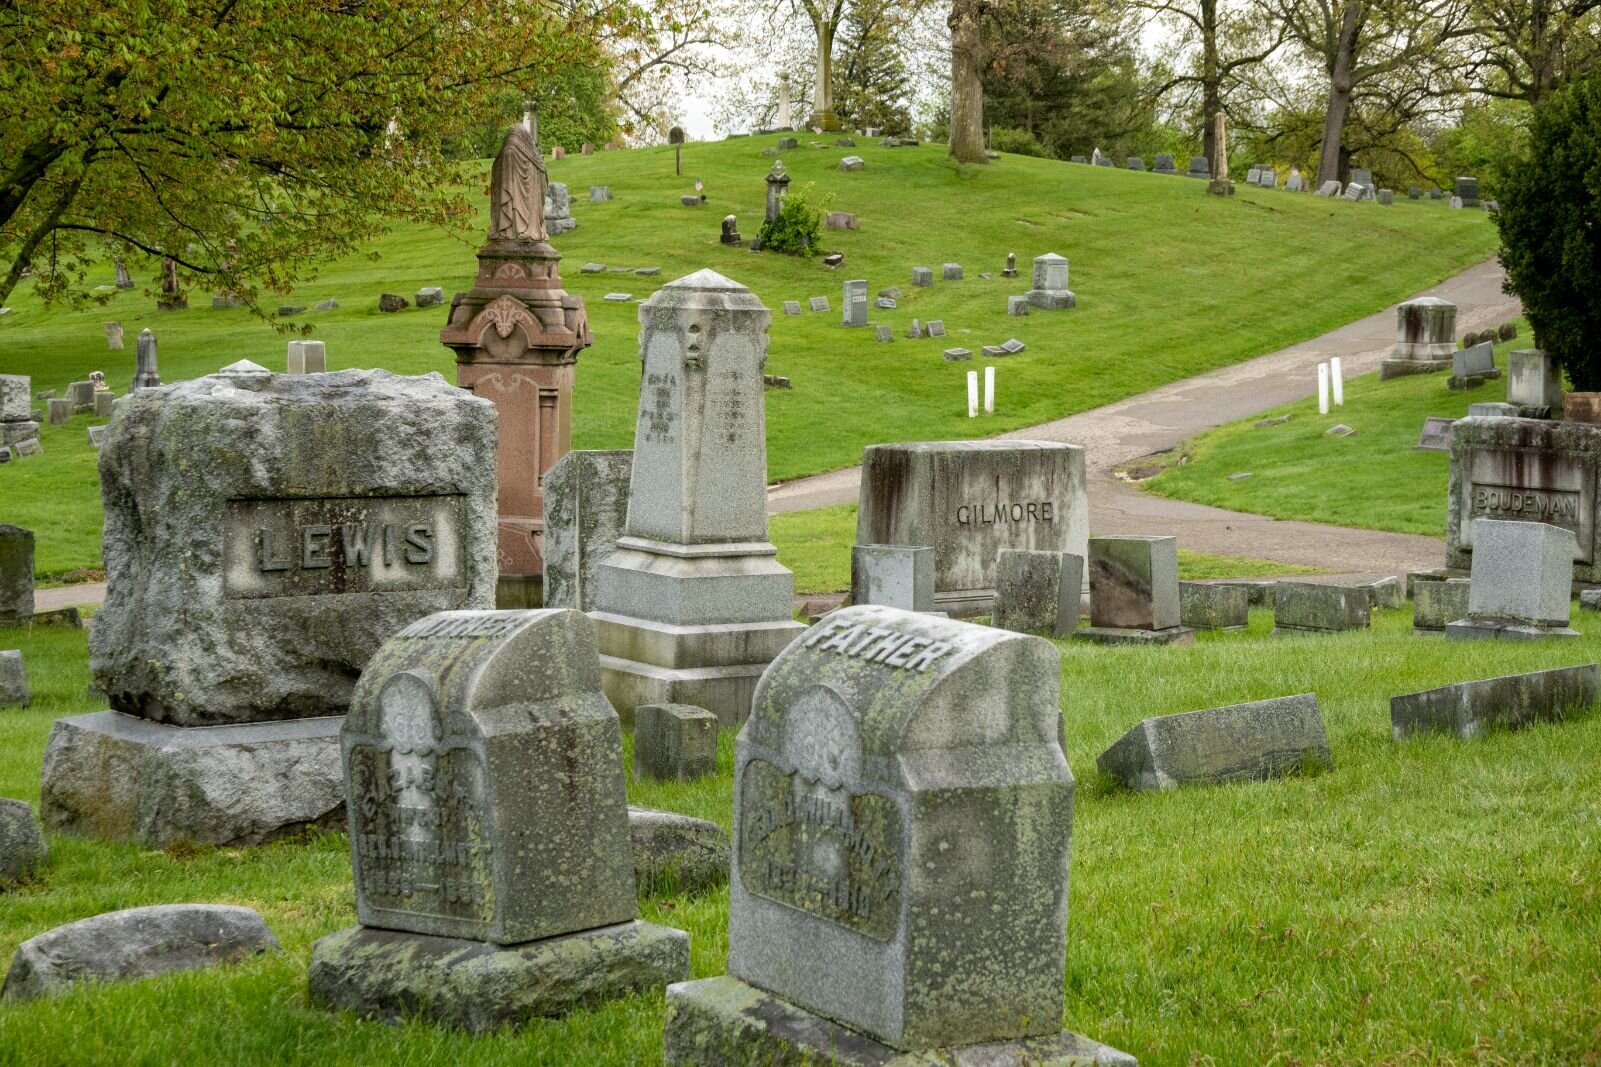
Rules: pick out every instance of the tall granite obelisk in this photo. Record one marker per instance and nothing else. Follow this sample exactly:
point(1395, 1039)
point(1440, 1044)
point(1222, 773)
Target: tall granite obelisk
point(516, 336)
point(693, 605)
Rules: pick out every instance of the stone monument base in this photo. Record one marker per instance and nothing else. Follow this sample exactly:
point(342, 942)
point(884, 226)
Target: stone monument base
point(1051, 299)
point(1116, 635)
point(1503, 630)
point(481, 986)
point(122, 778)
point(723, 1022)
point(1397, 368)
point(1220, 187)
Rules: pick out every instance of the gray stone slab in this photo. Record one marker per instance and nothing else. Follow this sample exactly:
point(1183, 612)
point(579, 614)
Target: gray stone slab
point(883, 334)
point(16, 399)
point(397, 976)
point(1134, 582)
point(618, 298)
point(792, 307)
point(586, 511)
point(1013, 346)
point(1214, 606)
point(1472, 709)
point(1533, 379)
point(137, 943)
point(1385, 593)
point(922, 276)
point(895, 576)
point(674, 742)
point(852, 163)
point(599, 193)
point(1017, 305)
point(16, 573)
point(13, 680)
point(1435, 435)
point(819, 303)
point(970, 499)
point(58, 410)
point(1116, 635)
point(936, 327)
point(677, 853)
point(958, 354)
point(1434, 604)
point(23, 850)
point(1258, 741)
point(1522, 572)
point(1476, 361)
point(951, 272)
point(854, 312)
point(1308, 607)
point(307, 357)
point(1038, 592)
point(1590, 600)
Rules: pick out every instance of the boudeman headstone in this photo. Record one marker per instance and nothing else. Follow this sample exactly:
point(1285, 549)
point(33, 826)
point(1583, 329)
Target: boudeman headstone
point(893, 576)
point(864, 769)
point(1524, 470)
point(970, 499)
point(136, 943)
point(307, 357)
point(1307, 607)
point(1472, 709)
point(922, 276)
point(13, 680)
point(855, 303)
point(585, 511)
point(1164, 164)
point(1214, 606)
point(1050, 290)
point(1435, 435)
point(1522, 582)
point(488, 830)
point(1017, 305)
point(819, 303)
point(1467, 191)
point(674, 742)
point(1253, 742)
point(1038, 592)
point(1533, 379)
point(1436, 603)
point(693, 604)
point(1425, 338)
point(1134, 591)
point(23, 850)
point(16, 575)
point(951, 272)
point(358, 502)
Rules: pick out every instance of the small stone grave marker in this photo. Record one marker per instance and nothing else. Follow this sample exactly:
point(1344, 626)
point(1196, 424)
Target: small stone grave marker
point(1252, 742)
point(1038, 592)
point(1436, 434)
point(792, 307)
point(1308, 607)
point(674, 742)
point(1471, 709)
point(936, 327)
point(819, 303)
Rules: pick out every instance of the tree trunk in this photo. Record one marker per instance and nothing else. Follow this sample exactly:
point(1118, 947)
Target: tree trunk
point(967, 85)
point(1211, 84)
point(1328, 169)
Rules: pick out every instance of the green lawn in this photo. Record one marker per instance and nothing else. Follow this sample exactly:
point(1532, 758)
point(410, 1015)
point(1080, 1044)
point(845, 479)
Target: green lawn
point(1170, 282)
point(1429, 902)
point(1373, 479)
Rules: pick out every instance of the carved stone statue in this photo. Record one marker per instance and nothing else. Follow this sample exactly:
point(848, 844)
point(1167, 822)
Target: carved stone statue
point(517, 190)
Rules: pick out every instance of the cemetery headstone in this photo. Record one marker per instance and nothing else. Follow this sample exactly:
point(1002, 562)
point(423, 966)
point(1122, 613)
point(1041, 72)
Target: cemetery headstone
point(1413, 192)
point(788, 142)
point(1012, 346)
point(730, 234)
point(792, 307)
point(559, 208)
point(1425, 338)
point(392, 302)
point(103, 404)
point(922, 276)
point(341, 536)
point(1050, 291)
point(1200, 167)
point(1134, 592)
point(172, 298)
point(674, 742)
point(59, 410)
point(1329, 188)
point(1307, 607)
point(968, 500)
point(958, 354)
point(1017, 305)
point(1472, 709)
point(1472, 366)
point(1521, 584)
point(852, 163)
point(23, 850)
point(840, 220)
point(1134, 163)
point(585, 511)
point(1213, 606)
point(915, 331)
point(819, 303)
point(124, 280)
point(693, 603)
point(81, 396)
point(429, 296)
point(1533, 379)
point(885, 303)
point(114, 336)
point(586, 149)
point(146, 375)
point(1436, 603)
point(1386, 197)
point(13, 679)
point(618, 298)
point(1355, 191)
point(1038, 592)
point(97, 436)
point(1467, 192)
point(599, 194)
point(852, 937)
point(1253, 742)
point(893, 576)
point(1294, 183)
point(1494, 410)
point(307, 357)
point(1455, 203)
point(951, 272)
point(855, 301)
point(489, 830)
point(1164, 164)
point(1436, 434)
point(16, 575)
point(777, 187)
point(884, 335)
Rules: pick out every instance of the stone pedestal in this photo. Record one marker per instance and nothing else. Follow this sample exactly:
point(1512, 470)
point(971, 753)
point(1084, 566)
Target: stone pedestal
point(1521, 584)
point(1533, 380)
point(1220, 187)
point(1134, 592)
point(1425, 338)
point(693, 604)
point(1050, 291)
point(517, 334)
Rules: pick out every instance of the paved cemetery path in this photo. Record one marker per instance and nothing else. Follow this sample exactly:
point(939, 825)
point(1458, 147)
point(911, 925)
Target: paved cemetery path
point(1166, 417)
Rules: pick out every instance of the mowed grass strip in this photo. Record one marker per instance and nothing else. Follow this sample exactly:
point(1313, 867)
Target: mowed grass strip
point(1375, 479)
point(1170, 282)
point(1429, 902)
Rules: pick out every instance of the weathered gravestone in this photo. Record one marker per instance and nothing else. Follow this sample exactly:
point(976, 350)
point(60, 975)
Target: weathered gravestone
point(16, 575)
point(1038, 592)
point(855, 301)
point(922, 276)
point(586, 509)
point(693, 603)
point(951, 272)
point(1435, 435)
point(13, 680)
point(792, 307)
point(1467, 191)
point(1134, 163)
point(1050, 291)
point(1493, 409)
point(488, 830)
point(1164, 164)
point(1522, 582)
point(1524, 470)
point(17, 422)
point(23, 850)
point(936, 327)
point(559, 207)
point(104, 400)
point(883, 334)
point(114, 336)
point(599, 193)
point(1471, 709)
point(1017, 305)
point(883, 746)
point(307, 357)
point(818, 303)
point(81, 397)
point(968, 500)
point(1214, 606)
point(1533, 380)
point(894, 576)
point(1134, 592)
point(59, 410)
point(1425, 338)
point(1386, 197)
point(1328, 188)
point(674, 742)
point(1436, 603)
point(1471, 366)
point(249, 580)
point(1200, 167)
point(1307, 607)
point(1251, 742)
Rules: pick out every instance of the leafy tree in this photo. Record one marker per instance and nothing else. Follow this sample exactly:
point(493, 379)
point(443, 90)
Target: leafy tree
point(797, 227)
point(1529, 47)
point(871, 81)
point(1550, 224)
point(248, 139)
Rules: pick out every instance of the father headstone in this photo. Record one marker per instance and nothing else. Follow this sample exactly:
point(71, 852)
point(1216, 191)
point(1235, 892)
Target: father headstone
point(1522, 582)
point(1050, 290)
point(1134, 592)
point(1425, 338)
point(358, 502)
point(893, 576)
point(586, 510)
point(1038, 592)
point(693, 603)
point(873, 757)
point(1241, 743)
point(968, 500)
point(855, 301)
point(488, 830)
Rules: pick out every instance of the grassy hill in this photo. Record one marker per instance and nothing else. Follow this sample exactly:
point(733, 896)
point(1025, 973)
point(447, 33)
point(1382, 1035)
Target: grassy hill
point(1170, 282)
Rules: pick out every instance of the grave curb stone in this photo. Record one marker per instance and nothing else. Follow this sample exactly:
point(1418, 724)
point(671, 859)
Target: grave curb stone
point(1037, 592)
point(674, 742)
point(23, 850)
point(1214, 606)
point(1434, 604)
point(1258, 741)
point(676, 851)
point(1471, 709)
point(1309, 607)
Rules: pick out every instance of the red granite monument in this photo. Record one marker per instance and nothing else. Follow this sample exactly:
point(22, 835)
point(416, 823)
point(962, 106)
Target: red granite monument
point(516, 336)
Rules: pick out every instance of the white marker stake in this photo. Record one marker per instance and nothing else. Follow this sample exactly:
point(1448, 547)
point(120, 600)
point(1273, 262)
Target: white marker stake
point(989, 390)
point(1334, 380)
point(972, 394)
point(1322, 388)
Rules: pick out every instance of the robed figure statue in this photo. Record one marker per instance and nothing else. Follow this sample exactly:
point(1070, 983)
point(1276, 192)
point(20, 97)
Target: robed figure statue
point(517, 190)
